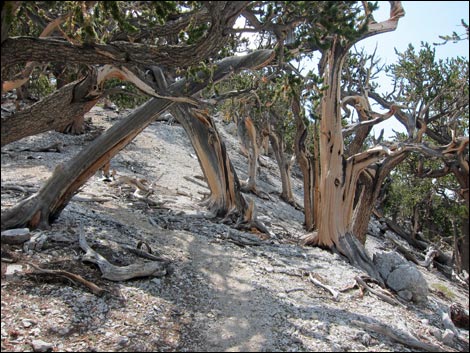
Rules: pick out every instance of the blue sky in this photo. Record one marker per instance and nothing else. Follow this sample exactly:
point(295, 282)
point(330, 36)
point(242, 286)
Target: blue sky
point(424, 21)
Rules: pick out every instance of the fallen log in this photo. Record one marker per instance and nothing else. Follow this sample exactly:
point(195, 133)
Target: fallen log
point(121, 273)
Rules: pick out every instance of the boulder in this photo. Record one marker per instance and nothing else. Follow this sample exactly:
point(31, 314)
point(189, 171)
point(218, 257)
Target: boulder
point(402, 276)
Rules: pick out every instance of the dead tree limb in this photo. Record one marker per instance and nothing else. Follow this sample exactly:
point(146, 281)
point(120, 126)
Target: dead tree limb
point(399, 336)
point(382, 296)
point(120, 273)
point(72, 276)
point(317, 282)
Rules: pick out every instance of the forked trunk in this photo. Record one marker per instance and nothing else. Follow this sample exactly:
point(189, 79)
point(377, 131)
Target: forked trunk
point(372, 178)
point(338, 177)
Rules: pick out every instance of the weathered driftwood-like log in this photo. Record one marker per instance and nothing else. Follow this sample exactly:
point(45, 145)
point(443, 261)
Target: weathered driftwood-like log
point(121, 273)
point(243, 239)
point(399, 336)
point(410, 256)
point(16, 236)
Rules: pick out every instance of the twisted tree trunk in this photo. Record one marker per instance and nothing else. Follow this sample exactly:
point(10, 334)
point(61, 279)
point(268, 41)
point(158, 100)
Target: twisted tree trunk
point(285, 166)
point(42, 208)
point(339, 175)
point(218, 170)
point(247, 133)
point(54, 112)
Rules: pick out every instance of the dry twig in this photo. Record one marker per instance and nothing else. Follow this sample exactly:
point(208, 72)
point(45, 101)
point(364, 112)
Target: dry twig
point(72, 276)
point(382, 296)
point(317, 282)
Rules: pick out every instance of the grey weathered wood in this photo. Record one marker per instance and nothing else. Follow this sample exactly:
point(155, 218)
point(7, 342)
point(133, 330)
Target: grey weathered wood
point(15, 236)
point(121, 273)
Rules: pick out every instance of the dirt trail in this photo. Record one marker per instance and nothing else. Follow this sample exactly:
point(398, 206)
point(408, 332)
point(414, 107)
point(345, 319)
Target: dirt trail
point(219, 296)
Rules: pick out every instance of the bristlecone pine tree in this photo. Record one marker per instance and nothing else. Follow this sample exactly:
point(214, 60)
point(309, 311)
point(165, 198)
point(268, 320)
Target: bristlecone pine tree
point(192, 44)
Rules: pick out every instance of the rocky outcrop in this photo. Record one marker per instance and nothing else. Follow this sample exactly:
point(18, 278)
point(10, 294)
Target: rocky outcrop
point(402, 276)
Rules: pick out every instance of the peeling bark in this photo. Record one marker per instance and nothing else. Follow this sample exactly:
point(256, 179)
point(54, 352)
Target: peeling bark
point(309, 167)
point(339, 175)
point(42, 208)
point(56, 111)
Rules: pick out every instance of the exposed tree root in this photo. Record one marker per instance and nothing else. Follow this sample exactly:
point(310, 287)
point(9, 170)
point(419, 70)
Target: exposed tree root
point(292, 202)
point(249, 221)
point(243, 239)
point(71, 276)
point(310, 239)
point(399, 336)
point(361, 282)
point(247, 188)
point(349, 246)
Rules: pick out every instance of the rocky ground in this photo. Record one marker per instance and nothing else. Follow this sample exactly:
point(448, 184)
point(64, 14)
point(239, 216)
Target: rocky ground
point(218, 295)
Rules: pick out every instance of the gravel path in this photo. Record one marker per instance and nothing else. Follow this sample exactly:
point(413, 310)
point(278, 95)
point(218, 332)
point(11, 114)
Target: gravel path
point(218, 296)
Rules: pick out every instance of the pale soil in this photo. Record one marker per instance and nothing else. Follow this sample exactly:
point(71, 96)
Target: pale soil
point(219, 296)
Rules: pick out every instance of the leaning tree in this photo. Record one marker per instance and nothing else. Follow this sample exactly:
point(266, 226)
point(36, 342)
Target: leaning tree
point(182, 42)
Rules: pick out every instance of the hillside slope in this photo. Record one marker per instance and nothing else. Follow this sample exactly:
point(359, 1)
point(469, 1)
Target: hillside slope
point(220, 295)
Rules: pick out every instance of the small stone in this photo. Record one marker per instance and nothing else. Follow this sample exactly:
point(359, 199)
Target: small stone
point(123, 341)
point(365, 339)
point(41, 346)
point(336, 348)
point(448, 337)
point(436, 332)
point(406, 295)
point(27, 323)
point(13, 268)
point(16, 236)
